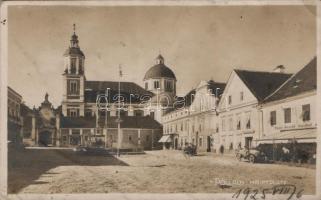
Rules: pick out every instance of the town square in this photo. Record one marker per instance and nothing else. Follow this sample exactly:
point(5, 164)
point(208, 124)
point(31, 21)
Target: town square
point(209, 99)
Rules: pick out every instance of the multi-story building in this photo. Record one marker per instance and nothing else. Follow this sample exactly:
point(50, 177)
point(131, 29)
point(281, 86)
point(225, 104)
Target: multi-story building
point(191, 120)
point(15, 121)
point(90, 110)
point(239, 116)
point(289, 113)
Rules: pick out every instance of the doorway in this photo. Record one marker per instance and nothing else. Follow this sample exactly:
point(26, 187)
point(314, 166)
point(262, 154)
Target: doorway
point(209, 144)
point(45, 138)
point(248, 142)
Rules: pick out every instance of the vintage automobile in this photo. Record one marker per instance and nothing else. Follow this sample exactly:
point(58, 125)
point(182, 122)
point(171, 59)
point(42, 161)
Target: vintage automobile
point(252, 155)
point(190, 150)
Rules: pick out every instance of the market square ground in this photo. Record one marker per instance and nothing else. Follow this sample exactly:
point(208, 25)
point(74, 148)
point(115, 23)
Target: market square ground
point(62, 171)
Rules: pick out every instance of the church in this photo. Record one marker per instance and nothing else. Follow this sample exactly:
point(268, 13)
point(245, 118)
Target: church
point(91, 111)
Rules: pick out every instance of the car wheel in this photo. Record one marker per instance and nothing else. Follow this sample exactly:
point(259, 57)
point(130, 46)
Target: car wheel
point(252, 158)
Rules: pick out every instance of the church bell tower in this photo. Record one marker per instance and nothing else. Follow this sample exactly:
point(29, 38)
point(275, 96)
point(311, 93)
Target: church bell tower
point(73, 79)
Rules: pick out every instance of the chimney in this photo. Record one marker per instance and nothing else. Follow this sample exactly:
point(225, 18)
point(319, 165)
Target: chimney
point(279, 69)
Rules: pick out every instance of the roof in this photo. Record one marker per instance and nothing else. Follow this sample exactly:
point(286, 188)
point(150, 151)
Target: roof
point(303, 81)
point(77, 122)
point(213, 86)
point(73, 51)
point(141, 122)
point(129, 90)
point(262, 84)
point(159, 71)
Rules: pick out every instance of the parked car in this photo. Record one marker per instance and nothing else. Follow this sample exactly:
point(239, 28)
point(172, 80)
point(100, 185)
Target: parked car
point(190, 150)
point(82, 150)
point(252, 155)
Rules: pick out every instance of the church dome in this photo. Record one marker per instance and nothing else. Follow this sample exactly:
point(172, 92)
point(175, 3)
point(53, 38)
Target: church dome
point(160, 70)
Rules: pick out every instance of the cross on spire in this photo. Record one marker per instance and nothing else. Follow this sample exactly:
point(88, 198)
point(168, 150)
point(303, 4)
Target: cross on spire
point(74, 27)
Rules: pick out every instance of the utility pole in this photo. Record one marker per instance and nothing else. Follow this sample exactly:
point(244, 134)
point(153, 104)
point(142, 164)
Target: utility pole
point(118, 120)
point(106, 115)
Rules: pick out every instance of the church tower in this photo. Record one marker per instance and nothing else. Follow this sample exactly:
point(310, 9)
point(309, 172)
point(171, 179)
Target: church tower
point(73, 79)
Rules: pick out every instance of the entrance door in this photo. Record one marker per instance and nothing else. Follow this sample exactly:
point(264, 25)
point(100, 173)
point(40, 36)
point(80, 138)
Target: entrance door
point(45, 138)
point(208, 143)
point(248, 142)
point(175, 143)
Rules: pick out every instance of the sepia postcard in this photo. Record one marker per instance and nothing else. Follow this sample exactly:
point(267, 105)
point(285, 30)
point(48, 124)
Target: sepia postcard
point(160, 100)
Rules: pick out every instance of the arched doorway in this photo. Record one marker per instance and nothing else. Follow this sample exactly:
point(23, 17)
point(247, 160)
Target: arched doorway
point(45, 138)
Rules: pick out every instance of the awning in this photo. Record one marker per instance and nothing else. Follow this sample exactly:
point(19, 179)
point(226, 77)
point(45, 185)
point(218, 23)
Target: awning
point(303, 135)
point(165, 138)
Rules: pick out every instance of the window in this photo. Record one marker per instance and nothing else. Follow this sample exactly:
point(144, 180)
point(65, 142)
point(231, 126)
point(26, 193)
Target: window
point(156, 84)
point(287, 115)
point(223, 124)
point(147, 138)
point(241, 96)
point(230, 121)
point(129, 138)
point(146, 86)
point(168, 86)
point(238, 126)
point(81, 66)
point(72, 112)
point(306, 112)
point(248, 123)
point(73, 65)
point(217, 128)
point(229, 100)
point(138, 113)
point(64, 138)
point(73, 87)
point(200, 143)
point(152, 115)
point(273, 118)
point(181, 126)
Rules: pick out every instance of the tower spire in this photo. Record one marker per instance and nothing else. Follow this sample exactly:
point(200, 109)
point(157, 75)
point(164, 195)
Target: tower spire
point(74, 28)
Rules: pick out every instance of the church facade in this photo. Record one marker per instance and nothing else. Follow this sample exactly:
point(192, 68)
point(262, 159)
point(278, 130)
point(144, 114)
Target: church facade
point(91, 111)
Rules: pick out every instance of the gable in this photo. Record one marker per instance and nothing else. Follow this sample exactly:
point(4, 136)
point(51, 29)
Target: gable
point(234, 88)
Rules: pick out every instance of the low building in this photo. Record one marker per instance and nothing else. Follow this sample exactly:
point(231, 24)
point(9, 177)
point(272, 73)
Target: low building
point(239, 116)
point(15, 122)
point(191, 121)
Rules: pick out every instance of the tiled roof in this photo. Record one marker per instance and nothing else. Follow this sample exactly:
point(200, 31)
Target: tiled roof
point(303, 81)
point(141, 122)
point(129, 90)
point(77, 122)
point(262, 84)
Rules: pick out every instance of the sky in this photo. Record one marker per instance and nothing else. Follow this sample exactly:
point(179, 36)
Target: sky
point(197, 42)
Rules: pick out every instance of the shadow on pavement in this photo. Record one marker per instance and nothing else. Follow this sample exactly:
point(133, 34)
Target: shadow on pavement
point(26, 166)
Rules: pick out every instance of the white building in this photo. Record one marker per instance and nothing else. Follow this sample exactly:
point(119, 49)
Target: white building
point(191, 121)
point(239, 116)
point(290, 112)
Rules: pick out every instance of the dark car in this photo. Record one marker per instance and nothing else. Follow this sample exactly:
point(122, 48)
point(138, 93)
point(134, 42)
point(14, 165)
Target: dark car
point(82, 150)
point(190, 150)
point(252, 155)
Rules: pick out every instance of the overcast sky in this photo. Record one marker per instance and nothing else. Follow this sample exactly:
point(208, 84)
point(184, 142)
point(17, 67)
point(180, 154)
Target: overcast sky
point(198, 43)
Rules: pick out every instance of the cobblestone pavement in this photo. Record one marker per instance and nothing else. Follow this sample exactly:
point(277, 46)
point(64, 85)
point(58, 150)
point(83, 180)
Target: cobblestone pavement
point(62, 171)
